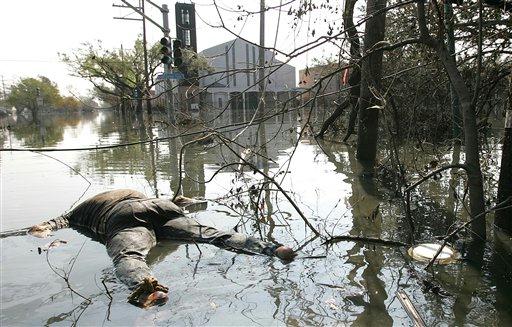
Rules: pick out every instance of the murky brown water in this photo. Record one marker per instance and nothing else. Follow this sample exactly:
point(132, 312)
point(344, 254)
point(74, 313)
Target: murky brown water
point(346, 283)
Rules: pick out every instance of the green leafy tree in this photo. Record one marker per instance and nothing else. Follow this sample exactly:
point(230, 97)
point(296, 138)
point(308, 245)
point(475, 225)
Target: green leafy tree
point(195, 62)
point(116, 73)
point(24, 93)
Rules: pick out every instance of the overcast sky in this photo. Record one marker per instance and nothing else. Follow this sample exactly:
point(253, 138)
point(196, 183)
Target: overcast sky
point(34, 31)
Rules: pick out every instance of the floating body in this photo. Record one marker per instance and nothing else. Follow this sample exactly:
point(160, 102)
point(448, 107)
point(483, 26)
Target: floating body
point(130, 224)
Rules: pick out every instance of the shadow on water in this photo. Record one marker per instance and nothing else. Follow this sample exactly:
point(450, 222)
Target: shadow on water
point(346, 283)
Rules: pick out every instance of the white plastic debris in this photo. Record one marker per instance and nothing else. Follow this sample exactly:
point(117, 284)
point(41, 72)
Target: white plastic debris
point(426, 251)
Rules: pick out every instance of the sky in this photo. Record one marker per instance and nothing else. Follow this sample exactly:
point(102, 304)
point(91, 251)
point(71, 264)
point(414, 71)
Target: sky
point(35, 31)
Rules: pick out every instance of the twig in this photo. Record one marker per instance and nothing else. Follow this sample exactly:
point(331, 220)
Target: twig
point(435, 172)
point(273, 181)
point(110, 297)
point(62, 162)
point(106, 289)
point(65, 275)
point(74, 170)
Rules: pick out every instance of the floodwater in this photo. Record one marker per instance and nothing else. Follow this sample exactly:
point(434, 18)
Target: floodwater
point(345, 283)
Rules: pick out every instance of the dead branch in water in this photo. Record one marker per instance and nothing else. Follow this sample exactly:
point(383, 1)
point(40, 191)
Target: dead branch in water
point(350, 238)
point(65, 275)
point(411, 310)
point(109, 296)
point(74, 170)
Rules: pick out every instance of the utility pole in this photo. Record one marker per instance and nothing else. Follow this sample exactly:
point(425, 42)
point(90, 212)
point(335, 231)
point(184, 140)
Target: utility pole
point(165, 29)
point(146, 73)
point(168, 85)
point(261, 60)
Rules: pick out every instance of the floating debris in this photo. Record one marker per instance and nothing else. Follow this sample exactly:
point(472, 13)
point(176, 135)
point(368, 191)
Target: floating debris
point(426, 251)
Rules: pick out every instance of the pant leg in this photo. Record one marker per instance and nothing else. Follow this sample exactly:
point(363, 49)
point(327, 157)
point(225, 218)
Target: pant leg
point(128, 250)
point(188, 229)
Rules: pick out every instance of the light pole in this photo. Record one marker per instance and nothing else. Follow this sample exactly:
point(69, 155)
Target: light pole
point(168, 85)
point(146, 74)
point(165, 29)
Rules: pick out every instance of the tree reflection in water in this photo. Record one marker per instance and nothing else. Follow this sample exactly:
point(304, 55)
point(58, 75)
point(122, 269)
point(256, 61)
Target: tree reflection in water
point(346, 282)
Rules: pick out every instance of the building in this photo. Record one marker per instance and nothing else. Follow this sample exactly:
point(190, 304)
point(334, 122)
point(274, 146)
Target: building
point(234, 81)
point(333, 82)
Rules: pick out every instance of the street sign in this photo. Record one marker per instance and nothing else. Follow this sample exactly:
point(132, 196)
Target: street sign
point(173, 75)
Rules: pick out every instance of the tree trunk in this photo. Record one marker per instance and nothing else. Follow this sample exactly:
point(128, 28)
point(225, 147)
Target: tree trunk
point(354, 77)
point(471, 146)
point(371, 74)
point(503, 218)
point(123, 106)
point(450, 44)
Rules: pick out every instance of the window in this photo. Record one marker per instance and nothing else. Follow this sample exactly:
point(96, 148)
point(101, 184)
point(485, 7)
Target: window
point(185, 17)
point(186, 37)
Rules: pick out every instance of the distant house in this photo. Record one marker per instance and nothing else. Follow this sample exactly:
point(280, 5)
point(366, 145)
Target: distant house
point(235, 78)
point(332, 82)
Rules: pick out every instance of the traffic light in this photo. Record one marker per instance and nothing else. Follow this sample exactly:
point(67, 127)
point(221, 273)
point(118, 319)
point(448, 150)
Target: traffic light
point(176, 47)
point(165, 50)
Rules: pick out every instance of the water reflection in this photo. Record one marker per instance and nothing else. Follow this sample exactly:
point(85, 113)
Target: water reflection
point(44, 131)
point(366, 260)
point(347, 283)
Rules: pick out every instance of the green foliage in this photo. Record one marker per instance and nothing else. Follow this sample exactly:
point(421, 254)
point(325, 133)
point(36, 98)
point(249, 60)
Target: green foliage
point(24, 93)
point(116, 72)
point(196, 62)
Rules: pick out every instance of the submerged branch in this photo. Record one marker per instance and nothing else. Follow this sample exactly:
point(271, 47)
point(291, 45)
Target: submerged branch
point(350, 238)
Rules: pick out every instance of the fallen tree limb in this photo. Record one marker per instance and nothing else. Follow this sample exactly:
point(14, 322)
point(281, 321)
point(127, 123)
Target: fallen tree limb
point(350, 238)
point(411, 310)
point(332, 118)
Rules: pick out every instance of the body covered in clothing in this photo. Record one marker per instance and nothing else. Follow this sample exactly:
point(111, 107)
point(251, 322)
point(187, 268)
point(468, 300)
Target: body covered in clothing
point(130, 224)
